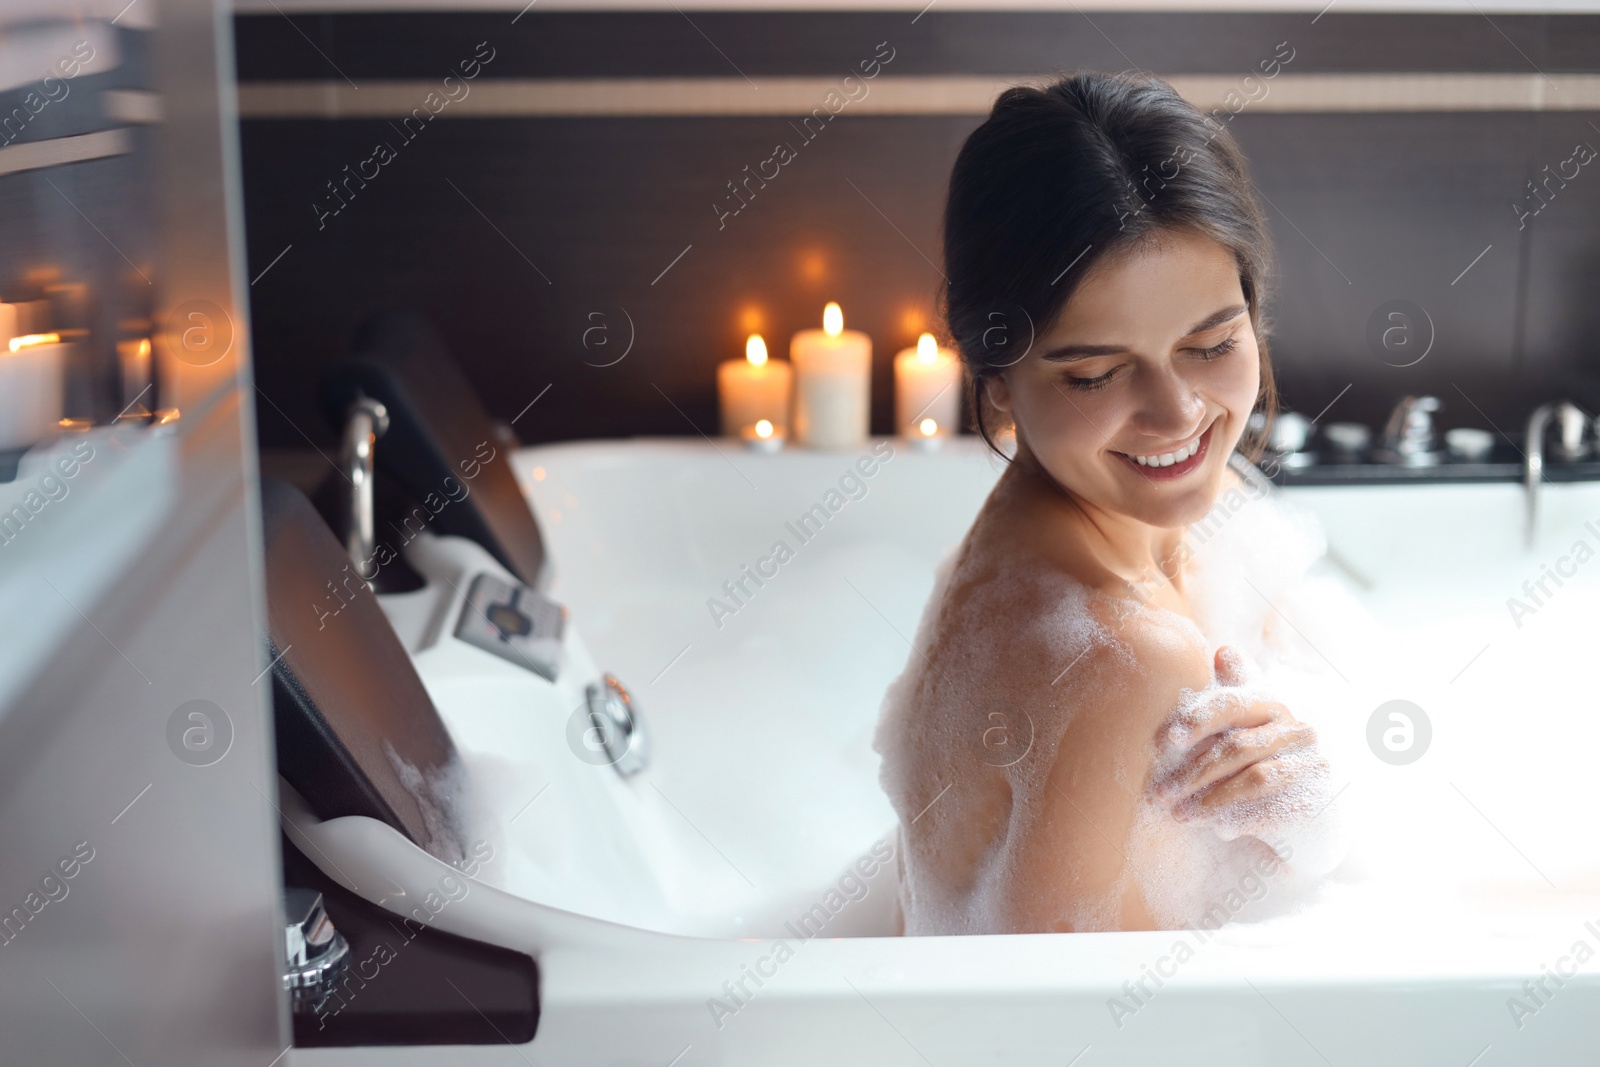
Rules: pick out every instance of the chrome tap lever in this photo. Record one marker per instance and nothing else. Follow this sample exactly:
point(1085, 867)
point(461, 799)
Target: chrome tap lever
point(1408, 436)
point(365, 422)
point(1571, 419)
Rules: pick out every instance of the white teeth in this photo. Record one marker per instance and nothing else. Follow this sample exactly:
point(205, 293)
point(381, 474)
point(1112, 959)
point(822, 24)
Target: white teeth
point(1167, 459)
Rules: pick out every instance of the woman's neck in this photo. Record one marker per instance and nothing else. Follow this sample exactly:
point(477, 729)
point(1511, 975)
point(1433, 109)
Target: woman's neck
point(1144, 555)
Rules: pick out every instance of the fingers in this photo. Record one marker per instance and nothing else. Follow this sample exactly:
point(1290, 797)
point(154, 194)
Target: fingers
point(1231, 752)
point(1215, 711)
point(1287, 787)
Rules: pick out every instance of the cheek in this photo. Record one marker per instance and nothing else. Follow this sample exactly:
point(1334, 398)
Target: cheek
point(1240, 379)
point(1060, 418)
point(1040, 408)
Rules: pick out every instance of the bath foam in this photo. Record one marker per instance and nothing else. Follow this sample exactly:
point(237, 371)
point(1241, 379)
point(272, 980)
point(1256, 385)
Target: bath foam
point(442, 797)
point(946, 728)
point(957, 862)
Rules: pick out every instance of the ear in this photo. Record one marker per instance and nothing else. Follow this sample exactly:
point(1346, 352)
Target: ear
point(998, 391)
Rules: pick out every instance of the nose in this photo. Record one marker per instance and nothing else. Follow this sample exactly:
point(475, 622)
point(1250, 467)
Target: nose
point(1170, 406)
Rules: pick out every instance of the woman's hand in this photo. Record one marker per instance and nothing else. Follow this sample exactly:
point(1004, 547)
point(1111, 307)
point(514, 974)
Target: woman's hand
point(1236, 758)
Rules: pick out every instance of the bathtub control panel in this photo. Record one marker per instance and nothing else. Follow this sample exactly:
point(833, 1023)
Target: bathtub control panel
point(518, 624)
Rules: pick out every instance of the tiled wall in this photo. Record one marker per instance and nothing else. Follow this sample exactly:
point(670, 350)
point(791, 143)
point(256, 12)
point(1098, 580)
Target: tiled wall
point(519, 222)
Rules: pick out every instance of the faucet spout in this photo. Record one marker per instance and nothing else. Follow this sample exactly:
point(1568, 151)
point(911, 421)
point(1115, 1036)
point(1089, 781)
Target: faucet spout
point(1572, 420)
point(365, 422)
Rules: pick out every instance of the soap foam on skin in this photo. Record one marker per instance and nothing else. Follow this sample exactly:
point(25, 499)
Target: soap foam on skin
point(936, 720)
point(960, 829)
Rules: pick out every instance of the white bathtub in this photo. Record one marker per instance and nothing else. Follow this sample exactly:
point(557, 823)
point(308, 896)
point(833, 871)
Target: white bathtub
point(654, 900)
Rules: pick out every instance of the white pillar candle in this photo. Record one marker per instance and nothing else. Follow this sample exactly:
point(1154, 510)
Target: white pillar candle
point(833, 383)
point(927, 385)
point(32, 370)
point(134, 359)
point(753, 388)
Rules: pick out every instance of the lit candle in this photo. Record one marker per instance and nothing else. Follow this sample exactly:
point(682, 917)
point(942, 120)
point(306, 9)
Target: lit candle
point(833, 383)
point(927, 386)
point(31, 385)
point(762, 437)
point(134, 359)
point(753, 388)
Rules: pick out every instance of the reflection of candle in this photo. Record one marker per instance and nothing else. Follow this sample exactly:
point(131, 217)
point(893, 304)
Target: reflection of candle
point(31, 383)
point(753, 388)
point(833, 370)
point(927, 385)
point(762, 437)
point(927, 435)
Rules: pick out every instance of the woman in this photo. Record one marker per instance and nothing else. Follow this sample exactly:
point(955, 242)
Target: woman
point(1066, 750)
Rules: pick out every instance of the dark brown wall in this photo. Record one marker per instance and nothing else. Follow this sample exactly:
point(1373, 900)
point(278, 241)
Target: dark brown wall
point(573, 217)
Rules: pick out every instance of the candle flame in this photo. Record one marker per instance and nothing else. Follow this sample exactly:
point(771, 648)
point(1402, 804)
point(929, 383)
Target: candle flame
point(28, 340)
point(755, 350)
point(833, 319)
point(927, 349)
point(764, 428)
point(928, 427)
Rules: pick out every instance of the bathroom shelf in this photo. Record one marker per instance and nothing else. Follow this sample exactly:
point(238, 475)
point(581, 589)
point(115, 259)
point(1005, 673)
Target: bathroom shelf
point(1506, 467)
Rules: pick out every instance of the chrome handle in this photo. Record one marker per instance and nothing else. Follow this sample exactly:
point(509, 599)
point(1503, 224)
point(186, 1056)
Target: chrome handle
point(1408, 435)
point(365, 422)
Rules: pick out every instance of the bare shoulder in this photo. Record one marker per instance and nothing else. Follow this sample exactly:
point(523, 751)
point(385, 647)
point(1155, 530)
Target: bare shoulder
point(1088, 785)
point(1147, 651)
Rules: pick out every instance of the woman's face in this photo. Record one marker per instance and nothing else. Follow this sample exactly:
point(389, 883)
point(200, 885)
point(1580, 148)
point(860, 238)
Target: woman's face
point(1152, 357)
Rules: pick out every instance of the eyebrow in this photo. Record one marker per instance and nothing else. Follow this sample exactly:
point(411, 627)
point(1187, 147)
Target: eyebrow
point(1068, 353)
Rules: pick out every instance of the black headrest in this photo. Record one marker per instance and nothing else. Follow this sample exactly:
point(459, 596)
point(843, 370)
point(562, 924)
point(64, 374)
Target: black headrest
point(438, 430)
point(356, 731)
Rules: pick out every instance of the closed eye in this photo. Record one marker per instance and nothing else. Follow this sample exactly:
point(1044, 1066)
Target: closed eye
point(1216, 350)
point(1100, 381)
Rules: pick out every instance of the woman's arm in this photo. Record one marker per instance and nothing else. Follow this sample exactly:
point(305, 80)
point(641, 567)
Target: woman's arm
point(1066, 862)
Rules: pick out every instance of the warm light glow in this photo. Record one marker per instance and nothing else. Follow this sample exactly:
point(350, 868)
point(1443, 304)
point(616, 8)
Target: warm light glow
point(755, 350)
point(813, 265)
point(167, 415)
point(764, 428)
point(29, 340)
point(928, 427)
point(833, 319)
point(144, 347)
point(927, 349)
point(538, 474)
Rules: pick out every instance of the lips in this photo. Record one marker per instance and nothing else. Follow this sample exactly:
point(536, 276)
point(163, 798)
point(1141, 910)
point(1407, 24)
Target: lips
point(1175, 470)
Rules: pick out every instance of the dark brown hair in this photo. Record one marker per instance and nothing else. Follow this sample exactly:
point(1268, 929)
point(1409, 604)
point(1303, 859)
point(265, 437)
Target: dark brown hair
point(1059, 178)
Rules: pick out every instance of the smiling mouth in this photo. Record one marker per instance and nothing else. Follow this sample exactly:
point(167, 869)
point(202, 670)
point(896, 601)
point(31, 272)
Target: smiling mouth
point(1174, 463)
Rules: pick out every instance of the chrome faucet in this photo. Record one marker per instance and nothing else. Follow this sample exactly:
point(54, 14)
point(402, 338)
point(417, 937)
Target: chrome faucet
point(1571, 419)
point(1408, 436)
point(365, 422)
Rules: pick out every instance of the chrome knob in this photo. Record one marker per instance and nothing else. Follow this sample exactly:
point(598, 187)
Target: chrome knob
point(617, 724)
point(315, 953)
